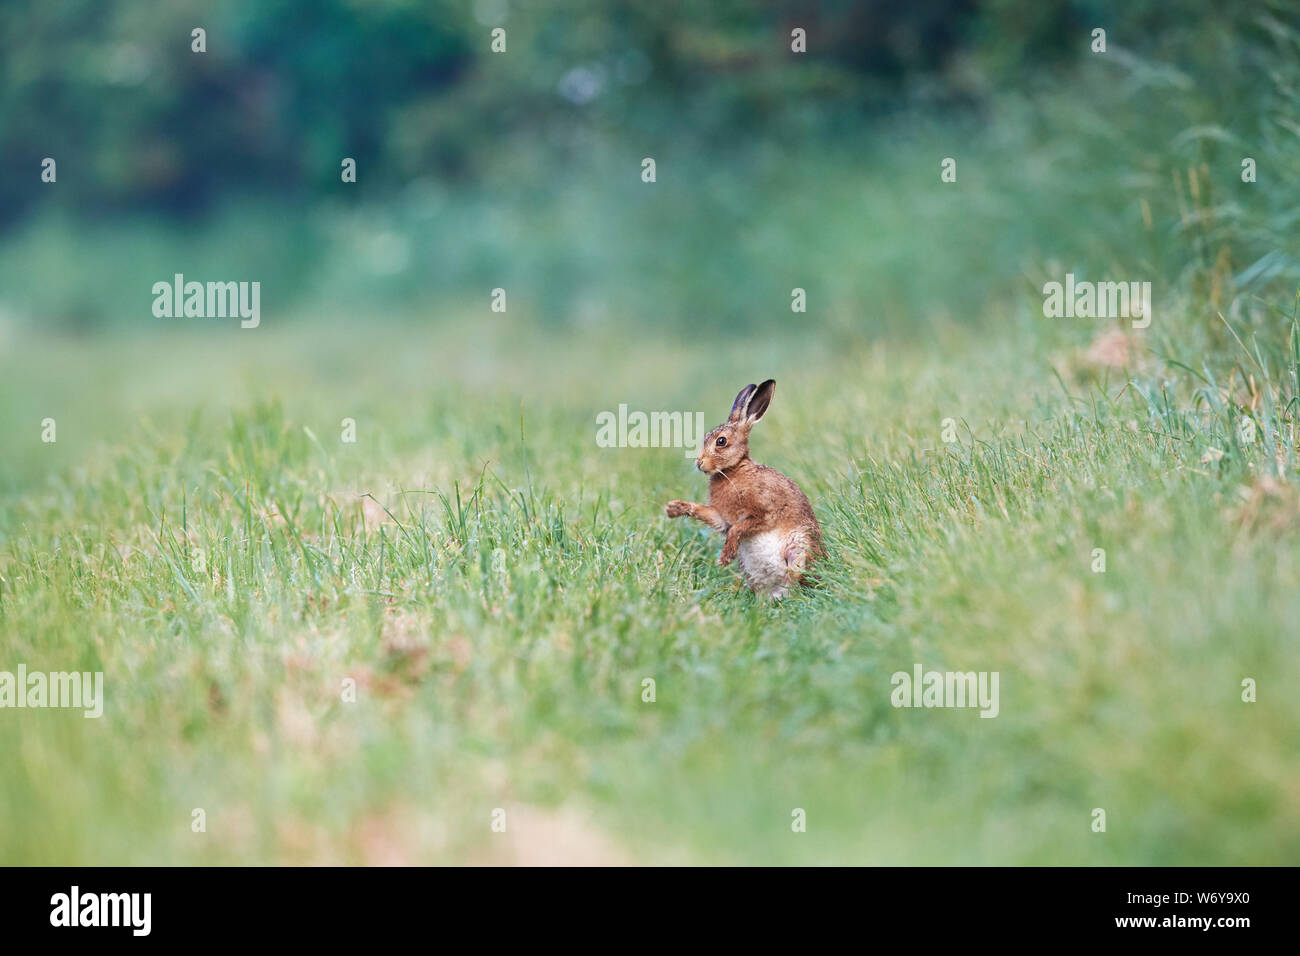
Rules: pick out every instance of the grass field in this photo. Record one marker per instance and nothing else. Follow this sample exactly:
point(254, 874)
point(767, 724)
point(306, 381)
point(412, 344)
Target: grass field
point(499, 587)
point(357, 652)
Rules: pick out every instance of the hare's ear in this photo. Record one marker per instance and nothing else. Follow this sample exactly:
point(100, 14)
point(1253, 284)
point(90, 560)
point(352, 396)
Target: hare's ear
point(761, 399)
point(742, 400)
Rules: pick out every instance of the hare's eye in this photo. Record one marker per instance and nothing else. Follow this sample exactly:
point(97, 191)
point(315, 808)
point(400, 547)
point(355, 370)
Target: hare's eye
point(721, 441)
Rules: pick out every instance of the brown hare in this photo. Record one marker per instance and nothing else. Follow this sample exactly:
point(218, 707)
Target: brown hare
point(768, 522)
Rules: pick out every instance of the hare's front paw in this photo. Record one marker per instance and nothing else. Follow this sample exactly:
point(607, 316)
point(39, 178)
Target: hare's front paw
point(677, 509)
point(728, 554)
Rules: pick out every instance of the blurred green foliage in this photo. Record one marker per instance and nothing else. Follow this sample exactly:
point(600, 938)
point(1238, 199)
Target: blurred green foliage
point(287, 88)
point(522, 169)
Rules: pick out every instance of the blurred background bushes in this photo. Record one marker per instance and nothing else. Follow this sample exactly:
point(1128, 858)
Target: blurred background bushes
point(522, 170)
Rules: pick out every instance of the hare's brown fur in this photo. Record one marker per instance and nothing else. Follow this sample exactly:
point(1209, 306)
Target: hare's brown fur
point(768, 522)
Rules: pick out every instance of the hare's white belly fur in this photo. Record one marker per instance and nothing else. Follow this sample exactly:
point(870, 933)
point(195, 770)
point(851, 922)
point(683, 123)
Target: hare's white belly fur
point(763, 562)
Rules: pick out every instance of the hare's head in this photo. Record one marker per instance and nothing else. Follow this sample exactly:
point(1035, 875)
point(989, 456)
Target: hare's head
point(728, 444)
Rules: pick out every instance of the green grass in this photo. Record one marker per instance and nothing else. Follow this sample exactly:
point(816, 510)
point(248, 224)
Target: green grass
point(201, 535)
point(499, 586)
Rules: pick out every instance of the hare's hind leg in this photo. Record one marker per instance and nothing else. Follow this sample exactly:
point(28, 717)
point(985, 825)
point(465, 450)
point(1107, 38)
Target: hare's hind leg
point(775, 561)
point(798, 555)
